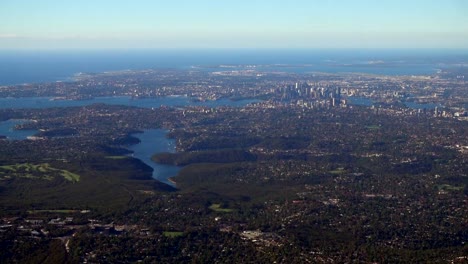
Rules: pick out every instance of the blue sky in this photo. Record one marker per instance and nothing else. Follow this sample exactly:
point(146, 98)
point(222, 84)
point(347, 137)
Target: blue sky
point(58, 24)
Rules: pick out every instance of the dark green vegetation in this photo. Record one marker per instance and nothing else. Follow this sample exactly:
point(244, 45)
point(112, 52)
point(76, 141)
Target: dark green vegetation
point(290, 185)
point(97, 184)
point(218, 156)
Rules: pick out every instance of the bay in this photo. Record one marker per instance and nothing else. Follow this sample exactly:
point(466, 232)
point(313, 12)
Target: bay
point(7, 128)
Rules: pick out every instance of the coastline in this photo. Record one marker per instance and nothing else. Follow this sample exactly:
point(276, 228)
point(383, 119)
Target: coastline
point(323, 60)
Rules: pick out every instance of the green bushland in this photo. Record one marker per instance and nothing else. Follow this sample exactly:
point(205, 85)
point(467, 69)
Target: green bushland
point(105, 185)
point(206, 156)
point(228, 180)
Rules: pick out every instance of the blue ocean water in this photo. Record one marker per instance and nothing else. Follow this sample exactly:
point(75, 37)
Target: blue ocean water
point(20, 66)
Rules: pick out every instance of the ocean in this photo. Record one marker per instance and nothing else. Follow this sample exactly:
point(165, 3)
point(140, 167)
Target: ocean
point(27, 66)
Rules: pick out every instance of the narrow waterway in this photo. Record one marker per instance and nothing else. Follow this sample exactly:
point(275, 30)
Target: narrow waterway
point(155, 141)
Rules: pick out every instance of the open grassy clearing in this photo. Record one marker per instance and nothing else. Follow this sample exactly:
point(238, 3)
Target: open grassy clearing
point(338, 171)
point(373, 127)
point(62, 211)
point(116, 157)
point(218, 208)
point(448, 187)
point(36, 171)
point(173, 234)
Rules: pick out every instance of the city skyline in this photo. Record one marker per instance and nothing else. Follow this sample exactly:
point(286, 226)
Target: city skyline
point(301, 24)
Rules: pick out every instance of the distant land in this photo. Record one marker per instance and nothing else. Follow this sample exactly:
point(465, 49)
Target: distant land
point(24, 66)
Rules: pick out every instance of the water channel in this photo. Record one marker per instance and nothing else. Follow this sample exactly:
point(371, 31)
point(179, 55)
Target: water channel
point(154, 141)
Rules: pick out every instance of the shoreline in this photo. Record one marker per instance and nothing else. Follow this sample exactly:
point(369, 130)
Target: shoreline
point(171, 180)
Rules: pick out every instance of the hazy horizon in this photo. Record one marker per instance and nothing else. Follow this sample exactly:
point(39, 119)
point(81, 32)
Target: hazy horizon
point(260, 24)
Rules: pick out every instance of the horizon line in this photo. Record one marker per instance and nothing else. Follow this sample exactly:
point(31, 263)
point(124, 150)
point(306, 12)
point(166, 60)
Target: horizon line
point(233, 48)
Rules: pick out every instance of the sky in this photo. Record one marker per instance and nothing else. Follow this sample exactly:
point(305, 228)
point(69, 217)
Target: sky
point(268, 24)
